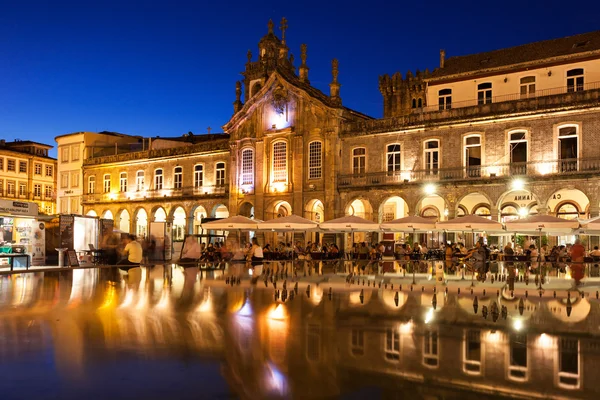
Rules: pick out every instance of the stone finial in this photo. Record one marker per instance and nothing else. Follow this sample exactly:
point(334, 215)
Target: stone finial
point(237, 104)
point(292, 59)
point(283, 26)
point(303, 67)
point(334, 86)
point(270, 24)
point(249, 55)
point(442, 58)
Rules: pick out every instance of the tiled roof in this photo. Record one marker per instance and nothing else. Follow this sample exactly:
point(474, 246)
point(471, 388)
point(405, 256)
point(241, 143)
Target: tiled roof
point(527, 53)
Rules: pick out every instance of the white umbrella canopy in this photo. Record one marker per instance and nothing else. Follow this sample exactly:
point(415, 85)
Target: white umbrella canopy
point(237, 222)
point(411, 223)
point(469, 223)
point(542, 224)
point(350, 223)
point(289, 224)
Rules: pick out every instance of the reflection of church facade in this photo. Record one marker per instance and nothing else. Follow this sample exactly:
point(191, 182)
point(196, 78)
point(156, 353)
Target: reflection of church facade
point(504, 134)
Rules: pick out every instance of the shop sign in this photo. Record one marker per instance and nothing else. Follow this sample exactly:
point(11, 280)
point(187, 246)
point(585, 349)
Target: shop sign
point(18, 207)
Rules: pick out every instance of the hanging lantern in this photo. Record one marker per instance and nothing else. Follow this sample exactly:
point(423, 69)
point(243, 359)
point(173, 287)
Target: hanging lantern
point(396, 299)
point(569, 307)
point(521, 306)
point(495, 312)
point(434, 301)
point(475, 305)
point(484, 312)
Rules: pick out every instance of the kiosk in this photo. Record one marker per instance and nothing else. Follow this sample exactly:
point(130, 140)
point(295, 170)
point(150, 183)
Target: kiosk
point(22, 235)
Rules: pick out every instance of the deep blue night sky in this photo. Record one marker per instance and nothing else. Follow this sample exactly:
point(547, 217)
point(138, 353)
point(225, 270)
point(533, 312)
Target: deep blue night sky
point(168, 67)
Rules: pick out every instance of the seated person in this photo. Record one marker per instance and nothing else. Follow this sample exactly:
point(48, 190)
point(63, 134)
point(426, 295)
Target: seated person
point(191, 252)
point(132, 253)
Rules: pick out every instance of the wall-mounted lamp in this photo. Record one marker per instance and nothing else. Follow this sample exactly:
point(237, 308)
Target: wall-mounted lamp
point(274, 126)
point(505, 79)
point(549, 73)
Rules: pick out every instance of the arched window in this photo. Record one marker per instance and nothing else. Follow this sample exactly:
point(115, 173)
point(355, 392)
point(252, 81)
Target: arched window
point(123, 182)
point(575, 80)
point(431, 213)
point(461, 211)
point(91, 184)
point(483, 211)
point(280, 162)
point(445, 99)
point(315, 160)
point(414, 103)
point(568, 211)
point(431, 155)
point(198, 176)
point(139, 181)
point(247, 170)
point(158, 179)
point(220, 174)
point(255, 88)
point(527, 87)
point(359, 160)
point(106, 183)
point(393, 157)
point(420, 103)
point(178, 178)
point(484, 93)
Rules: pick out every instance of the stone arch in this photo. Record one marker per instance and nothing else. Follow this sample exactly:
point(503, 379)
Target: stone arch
point(577, 197)
point(255, 88)
point(141, 222)
point(246, 209)
point(360, 207)
point(315, 211)
point(278, 208)
point(91, 213)
point(469, 200)
point(123, 220)
point(159, 214)
point(219, 210)
point(198, 213)
point(107, 214)
point(393, 207)
point(523, 198)
point(437, 201)
point(179, 218)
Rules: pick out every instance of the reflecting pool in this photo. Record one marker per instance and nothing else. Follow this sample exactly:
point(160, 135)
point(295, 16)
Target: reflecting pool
point(171, 334)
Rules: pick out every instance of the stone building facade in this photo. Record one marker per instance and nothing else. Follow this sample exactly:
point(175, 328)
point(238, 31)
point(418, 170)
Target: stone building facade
point(502, 134)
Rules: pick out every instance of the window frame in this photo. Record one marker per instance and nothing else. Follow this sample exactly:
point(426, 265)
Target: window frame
point(527, 87)
point(466, 158)
point(277, 172)
point(48, 191)
point(140, 183)
point(561, 374)
point(65, 154)
point(75, 179)
point(64, 180)
point(10, 161)
point(198, 183)
point(577, 136)
point(22, 189)
point(510, 142)
point(445, 99)
point(247, 168)
point(575, 86)
point(37, 168)
point(465, 362)
point(220, 180)
point(429, 355)
point(159, 179)
point(315, 160)
point(512, 369)
point(91, 184)
point(49, 171)
point(75, 152)
point(106, 183)
point(37, 190)
point(123, 182)
point(426, 152)
point(357, 347)
point(485, 93)
point(398, 153)
point(392, 354)
point(362, 169)
point(178, 177)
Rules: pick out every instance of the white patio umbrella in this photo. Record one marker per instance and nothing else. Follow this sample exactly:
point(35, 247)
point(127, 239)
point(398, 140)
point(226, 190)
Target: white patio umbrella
point(289, 224)
point(588, 226)
point(350, 223)
point(538, 224)
point(469, 223)
point(411, 223)
point(237, 222)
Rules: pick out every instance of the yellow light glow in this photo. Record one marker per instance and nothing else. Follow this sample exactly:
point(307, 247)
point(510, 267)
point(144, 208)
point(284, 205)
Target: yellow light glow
point(277, 312)
point(429, 189)
point(429, 316)
point(523, 212)
point(113, 196)
point(544, 168)
point(405, 176)
point(128, 299)
point(518, 324)
point(493, 170)
point(110, 298)
point(545, 341)
point(207, 305)
point(406, 328)
point(493, 337)
point(278, 187)
point(165, 300)
point(518, 184)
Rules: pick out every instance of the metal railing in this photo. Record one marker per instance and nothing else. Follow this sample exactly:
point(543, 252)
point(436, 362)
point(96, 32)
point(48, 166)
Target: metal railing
point(571, 166)
point(188, 191)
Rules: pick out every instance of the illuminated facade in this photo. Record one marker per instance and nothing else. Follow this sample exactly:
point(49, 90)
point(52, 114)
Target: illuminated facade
point(502, 134)
point(27, 173)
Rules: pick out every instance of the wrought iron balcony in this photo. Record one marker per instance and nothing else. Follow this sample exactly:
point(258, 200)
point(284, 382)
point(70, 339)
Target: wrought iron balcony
point(564, 167)
point(141, 195)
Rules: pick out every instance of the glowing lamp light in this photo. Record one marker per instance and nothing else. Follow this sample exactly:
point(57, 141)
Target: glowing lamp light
point(429, 316)
point(406, 328)
point(493, 337)
point(446, 212)
point(429, 189)
point(112, 196)
point(545, 341)
point(277, 313)
point(518, 184)
point(523, 212)
point(405, 176)
point(544, 168)
point(518, 324)
point(494, 171)
point(278, 187)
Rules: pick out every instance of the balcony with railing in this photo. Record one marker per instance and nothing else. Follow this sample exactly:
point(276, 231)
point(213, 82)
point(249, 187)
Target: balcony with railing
point(154, 194)
point(560, 97)
point(564, 167)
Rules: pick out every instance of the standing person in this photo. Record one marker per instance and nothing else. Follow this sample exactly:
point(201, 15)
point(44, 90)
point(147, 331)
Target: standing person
point(509, 253)
point(577, 270)
point(133, 254)
point(479, 255)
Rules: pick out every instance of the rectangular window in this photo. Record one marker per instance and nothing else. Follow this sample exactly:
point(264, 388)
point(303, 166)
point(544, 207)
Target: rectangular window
point(123, 182)
point(473, 156)
point(10, 188)
point(158, 179)
point(568, 150)
point(568, 364)
point(1, 164)
point(49, 170)
point(23, 167)
point(37, 190)
point(220, 174)
point(65, 154)
point(1, 187)
point(106, 183)
point(432, 157)
point(22, 189)
point(575, 80)
point(48, 209)
point(91, 184)
point(75, 179)
point(247, 167)
point(74, 205)
point(393, 157)
point(517, 367)
point(445, 99)
point(315, 160)
point(430, 348)
point(37, 169)
point(64, 180)
point(392, 344)
point(49, 192)
point(178, 178)
point(527, 87)
point(139, 181)
point(357, 346)
point(11, 165)
point(280, 162)
point(484, 93)
point(198, 176)
point(518, 153)
point(75, 152)
point(64, 205)
point(472, 355)
point(313, 342)
point(359, 161)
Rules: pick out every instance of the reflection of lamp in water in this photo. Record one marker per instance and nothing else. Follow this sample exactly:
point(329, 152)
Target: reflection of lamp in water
point(277, 313)
point(275, 381)
point(246, 310)
point(165, 299)
point(206, 306)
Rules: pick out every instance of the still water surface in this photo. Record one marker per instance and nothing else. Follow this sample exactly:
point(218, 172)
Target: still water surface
point(91, 334)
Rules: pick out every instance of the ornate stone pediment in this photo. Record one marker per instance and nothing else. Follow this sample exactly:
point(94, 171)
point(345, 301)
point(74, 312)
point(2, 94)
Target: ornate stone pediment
point(279, 99)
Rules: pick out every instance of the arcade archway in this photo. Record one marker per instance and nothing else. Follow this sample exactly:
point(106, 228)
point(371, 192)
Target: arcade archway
point(124, 221)
point(141, 223)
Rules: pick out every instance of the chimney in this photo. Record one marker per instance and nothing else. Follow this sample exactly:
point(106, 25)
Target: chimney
point(442, 58)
